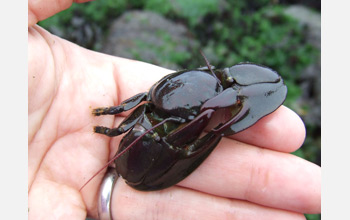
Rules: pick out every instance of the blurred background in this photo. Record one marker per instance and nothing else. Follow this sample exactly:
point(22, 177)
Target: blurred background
point(282, 34)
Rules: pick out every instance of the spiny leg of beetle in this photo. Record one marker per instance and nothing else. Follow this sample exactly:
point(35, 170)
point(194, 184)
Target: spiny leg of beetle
point(125, 125)
point(124, 106)
point(219, 130)
point(228, 98)
point(174, 119)
point(110, 132)
point(190, 130)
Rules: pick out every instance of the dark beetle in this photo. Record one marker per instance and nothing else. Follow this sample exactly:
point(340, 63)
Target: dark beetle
point(163, 143)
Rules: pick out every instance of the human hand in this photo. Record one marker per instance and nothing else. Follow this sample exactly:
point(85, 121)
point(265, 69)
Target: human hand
point(250, 175)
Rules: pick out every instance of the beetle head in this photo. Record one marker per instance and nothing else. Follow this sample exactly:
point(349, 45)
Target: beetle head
point(249, 74)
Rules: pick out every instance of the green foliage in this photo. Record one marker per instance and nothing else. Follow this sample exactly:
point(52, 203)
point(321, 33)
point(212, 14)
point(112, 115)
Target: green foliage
point(195, 10)
point(264, 36)
point(313, 217)
point(229, 32)
point(160, 6)
point(192, 11)
point(169, 49)
point(97, 12)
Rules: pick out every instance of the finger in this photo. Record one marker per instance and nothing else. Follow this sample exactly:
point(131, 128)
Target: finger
point(283, 130)
point(180, 203)
point(262, 176)
point(42, 9)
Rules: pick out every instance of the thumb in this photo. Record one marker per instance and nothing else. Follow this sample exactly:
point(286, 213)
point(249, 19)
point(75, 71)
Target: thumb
point(41, 9)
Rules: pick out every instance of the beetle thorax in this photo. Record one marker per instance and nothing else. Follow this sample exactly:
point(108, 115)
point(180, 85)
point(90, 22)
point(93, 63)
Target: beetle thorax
point(184, 93)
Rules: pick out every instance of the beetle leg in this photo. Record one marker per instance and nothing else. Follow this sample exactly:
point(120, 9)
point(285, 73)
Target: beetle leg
point(241, 114)
point(226, 98)
point(191, 130)
point(125, 125)
point(257, 100)
point(124, 106)
point(253, 101)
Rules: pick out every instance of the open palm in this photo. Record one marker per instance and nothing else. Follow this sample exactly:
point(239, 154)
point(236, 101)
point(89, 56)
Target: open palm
point(251, 178)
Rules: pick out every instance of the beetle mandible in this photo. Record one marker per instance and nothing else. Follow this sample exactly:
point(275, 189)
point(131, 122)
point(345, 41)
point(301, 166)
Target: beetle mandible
point(164, 144)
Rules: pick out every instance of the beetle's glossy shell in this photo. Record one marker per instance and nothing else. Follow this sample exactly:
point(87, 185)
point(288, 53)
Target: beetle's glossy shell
point(183, 93)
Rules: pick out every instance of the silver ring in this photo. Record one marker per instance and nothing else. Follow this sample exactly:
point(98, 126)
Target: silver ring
point(106, 190)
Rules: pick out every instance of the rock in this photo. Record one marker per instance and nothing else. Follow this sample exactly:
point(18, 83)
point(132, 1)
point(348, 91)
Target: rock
point(83, 33)
point(149, 37)
point(310, 19)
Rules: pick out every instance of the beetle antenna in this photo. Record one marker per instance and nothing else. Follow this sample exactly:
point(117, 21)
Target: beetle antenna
point(126, 149)
point(209, 67)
